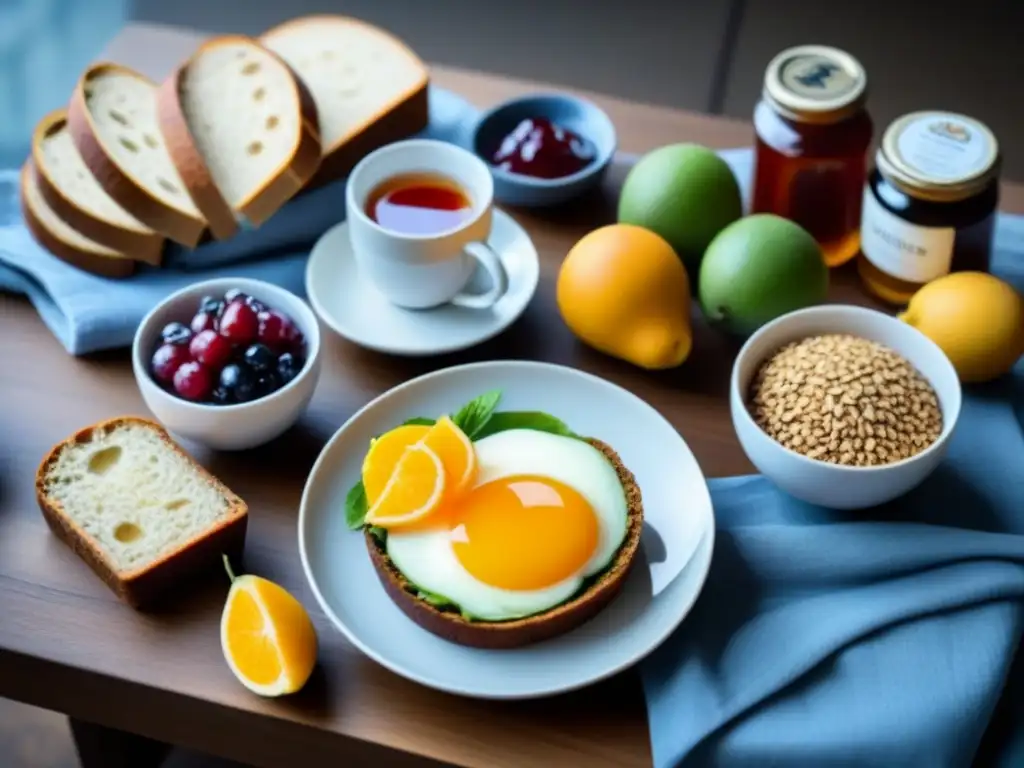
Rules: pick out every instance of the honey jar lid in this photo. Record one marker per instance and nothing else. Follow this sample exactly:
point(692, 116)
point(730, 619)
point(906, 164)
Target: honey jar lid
point(939, 155)
point(815, 84)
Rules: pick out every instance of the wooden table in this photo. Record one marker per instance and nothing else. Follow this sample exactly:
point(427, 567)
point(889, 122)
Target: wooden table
point(68, 645)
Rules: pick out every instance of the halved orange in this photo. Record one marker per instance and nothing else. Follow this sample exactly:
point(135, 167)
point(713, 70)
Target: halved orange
point(414, 490)
point(383, 456)
point(267, 637)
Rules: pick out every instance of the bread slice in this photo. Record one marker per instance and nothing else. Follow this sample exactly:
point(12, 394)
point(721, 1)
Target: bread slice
point(370, 88)
point(68, 245)
point(73, 193)
point(240, 129)
point(112, 122)
point(451, 625)
point(137, 508)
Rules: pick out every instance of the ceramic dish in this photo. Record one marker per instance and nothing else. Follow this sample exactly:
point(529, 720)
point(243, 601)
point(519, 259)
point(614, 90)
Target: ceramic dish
point(578, 115)
point(675, 555)
point(352, 306)
point(831, 485)
point(227, 427)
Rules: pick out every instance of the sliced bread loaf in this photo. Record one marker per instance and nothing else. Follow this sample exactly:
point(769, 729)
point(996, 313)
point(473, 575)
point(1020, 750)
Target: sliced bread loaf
point(68, 245)
point(73, 193)
point(112, 121)
point(137, 508)
point(240, 129)
point(370, 88)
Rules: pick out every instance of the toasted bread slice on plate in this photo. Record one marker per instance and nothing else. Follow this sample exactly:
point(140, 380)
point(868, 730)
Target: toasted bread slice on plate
point(61, 240)
point(72, 192)
point(370, 88)
point(450, 624)
point(112, 121)
point(240, 129)
point(137, 508)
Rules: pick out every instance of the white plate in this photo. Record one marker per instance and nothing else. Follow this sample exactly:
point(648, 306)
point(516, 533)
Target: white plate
point(677, 542)
point(350, 304)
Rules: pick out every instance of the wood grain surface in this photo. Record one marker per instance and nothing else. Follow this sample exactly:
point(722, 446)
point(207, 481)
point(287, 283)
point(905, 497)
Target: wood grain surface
point(67, 644)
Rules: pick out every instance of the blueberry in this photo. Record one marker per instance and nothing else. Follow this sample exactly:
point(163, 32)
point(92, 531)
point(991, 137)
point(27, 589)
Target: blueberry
point(288, 366)
point(239, 382)
point(211, 305)
point(267, 382)
point(176, 333)
point(221, 395)
point(233, 294)
point(259, 357)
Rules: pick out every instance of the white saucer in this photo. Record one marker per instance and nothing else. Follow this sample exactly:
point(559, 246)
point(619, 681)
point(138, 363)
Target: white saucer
point(677, 542)
point(351, 305)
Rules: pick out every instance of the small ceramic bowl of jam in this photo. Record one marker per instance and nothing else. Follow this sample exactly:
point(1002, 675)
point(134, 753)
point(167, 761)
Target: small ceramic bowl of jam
point(544, 149)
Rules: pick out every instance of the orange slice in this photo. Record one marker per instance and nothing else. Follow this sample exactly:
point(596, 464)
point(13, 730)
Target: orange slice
point(456, 452)
point(267, 637)
point(451, 444)
point(383, 456)
point(414, 490)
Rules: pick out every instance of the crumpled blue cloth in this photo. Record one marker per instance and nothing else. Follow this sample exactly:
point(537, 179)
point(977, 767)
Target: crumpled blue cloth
point(885, 637)
point(88, 313)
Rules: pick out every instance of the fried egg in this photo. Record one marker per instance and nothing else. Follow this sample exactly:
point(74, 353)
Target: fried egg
point(544, 513)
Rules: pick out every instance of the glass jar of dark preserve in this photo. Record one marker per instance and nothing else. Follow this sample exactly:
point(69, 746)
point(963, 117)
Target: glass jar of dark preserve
point(812, 139)
point(930, 204)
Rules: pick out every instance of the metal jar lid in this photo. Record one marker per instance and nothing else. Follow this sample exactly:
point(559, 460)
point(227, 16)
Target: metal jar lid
point(938, 156)
point(815, 84)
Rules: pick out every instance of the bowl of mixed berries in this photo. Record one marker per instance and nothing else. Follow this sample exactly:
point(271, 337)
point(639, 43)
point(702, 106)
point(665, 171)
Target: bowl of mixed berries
point(230, 363)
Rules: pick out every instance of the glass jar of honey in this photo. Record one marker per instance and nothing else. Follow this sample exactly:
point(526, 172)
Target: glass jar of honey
point(812, 139)
point(930, 204)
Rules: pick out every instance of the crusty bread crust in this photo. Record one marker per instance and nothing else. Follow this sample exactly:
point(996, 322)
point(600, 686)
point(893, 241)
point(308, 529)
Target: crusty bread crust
point(87, 261)
point(116, 182)
point(142, 246)
point(277, 190)
point(152, 583)
point(543, 626)
point(406, 116)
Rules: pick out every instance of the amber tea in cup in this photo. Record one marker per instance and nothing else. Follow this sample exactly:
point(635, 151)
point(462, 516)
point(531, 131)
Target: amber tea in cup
point(419, 204)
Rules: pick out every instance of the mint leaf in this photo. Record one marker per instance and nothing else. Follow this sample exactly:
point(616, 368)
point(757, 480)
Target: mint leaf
point(536, 420)
point(356, 506)
point(380, 534)
point(474, 415)
point(418, 421)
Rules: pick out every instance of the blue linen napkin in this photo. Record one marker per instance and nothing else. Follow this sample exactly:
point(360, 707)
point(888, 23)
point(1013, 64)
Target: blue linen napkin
point(877, 638)
point(88, 313)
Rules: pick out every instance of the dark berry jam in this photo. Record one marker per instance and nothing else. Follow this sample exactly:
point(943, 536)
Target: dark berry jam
point(545, 150)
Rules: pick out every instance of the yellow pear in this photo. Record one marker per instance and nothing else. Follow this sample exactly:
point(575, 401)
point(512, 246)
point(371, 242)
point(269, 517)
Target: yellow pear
point(977, 320)
point(624, 291)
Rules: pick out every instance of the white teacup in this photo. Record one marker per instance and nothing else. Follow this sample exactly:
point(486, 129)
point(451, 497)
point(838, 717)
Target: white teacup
point(418, 271)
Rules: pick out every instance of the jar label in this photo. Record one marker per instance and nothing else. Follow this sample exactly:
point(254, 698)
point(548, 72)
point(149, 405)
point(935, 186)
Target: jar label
point(943, 148)
point(905, 251)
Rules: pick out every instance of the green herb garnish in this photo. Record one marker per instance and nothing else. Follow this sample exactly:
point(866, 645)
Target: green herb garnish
point(478, 419)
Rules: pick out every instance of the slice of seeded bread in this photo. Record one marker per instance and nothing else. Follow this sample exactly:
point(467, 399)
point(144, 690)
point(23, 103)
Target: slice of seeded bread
point(68, 245)
point(113, 122)
point(370, 88)
point(73, 193)
point(451, 625)
point(240, 129)
point(137, 508)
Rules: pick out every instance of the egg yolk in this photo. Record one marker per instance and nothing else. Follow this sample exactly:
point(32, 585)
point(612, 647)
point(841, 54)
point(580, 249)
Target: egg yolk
point(523, 532)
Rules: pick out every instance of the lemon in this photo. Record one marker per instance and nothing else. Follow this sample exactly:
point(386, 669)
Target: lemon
point(975, 318)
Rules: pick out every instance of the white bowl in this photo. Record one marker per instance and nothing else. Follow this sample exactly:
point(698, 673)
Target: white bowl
point(818, 482)
point(227, 427)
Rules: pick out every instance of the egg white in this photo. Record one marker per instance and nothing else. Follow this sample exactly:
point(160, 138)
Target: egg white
point(428, 560)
